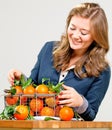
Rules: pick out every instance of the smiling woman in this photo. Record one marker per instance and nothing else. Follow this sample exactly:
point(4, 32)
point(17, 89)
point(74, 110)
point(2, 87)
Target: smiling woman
point(80, 53)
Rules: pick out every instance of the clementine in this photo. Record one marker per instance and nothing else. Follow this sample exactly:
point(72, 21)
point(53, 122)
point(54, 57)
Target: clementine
point(29, 89)
point(50, 101)
point(31, 113)
point(36, 105)
point(66, 113)
point(23, 100)
point(21, 112)
point(18, 89)
point(57, 110)
point(47, 111)
point(42, 88)
point(11, 100)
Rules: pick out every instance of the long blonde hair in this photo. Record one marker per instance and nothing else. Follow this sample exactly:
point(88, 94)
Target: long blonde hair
point(93, 62)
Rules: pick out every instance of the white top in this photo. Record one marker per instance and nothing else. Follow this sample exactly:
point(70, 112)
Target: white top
point(63, 74)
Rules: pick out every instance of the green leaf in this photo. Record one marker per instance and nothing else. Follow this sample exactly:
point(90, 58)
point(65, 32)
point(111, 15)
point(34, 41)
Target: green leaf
point(8, 112)
point(2, 116)
point(23, 80)
point(34, 85)
point(54, 88)
point(49, 118)
point(16, 82)
point(27, 83)
point(30, 117)
point(45, 79)
point(13, 91)
point(57, 88)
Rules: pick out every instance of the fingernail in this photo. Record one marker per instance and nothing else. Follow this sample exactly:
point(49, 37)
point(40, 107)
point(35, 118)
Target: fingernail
point(56, 97)
point(61, 93)
point(57, 102)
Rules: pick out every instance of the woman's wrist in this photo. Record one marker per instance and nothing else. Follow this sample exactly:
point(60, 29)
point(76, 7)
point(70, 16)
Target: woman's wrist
point(81, 109)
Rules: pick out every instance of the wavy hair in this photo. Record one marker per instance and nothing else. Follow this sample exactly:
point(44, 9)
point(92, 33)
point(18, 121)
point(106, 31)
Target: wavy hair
point(93, 62)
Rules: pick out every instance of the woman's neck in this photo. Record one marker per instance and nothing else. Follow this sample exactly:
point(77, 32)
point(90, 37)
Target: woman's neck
point(73, 60)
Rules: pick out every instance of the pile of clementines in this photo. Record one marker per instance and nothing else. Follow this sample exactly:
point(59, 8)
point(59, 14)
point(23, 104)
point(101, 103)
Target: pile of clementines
point(25, 100)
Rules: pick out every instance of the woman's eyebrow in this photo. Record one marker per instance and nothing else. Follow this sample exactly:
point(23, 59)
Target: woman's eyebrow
point(81, 28)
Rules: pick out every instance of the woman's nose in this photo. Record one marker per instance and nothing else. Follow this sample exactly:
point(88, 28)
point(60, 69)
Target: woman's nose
point(76, 34)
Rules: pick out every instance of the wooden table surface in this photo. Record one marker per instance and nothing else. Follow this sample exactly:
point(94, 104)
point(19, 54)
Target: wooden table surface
point(53, 124)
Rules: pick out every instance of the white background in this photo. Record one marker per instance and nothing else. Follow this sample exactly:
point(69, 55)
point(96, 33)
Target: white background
point(25, 25)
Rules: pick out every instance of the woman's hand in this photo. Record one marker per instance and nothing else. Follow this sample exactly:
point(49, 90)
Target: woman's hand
point(70, 97)
point(13, 74)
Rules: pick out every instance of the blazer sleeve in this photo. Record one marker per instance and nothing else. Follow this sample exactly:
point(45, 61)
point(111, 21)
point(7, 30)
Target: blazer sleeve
point(96, 94)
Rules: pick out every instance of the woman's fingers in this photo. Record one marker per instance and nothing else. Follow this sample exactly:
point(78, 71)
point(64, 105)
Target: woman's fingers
point(12, 75)
point(11, 78)
point(65, 87)
point(70, 97)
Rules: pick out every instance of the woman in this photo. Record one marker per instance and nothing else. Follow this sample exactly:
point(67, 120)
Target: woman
point(78, 60)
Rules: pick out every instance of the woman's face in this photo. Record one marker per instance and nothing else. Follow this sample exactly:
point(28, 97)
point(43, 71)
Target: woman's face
point(79, 34)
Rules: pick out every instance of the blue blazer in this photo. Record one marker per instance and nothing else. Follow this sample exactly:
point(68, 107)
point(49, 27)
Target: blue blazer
point(92, 88)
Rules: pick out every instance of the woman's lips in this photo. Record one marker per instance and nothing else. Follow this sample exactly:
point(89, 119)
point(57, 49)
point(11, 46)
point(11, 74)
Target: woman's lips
point(76, 42)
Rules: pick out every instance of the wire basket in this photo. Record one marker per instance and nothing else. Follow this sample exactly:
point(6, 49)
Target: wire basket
point(38, 104)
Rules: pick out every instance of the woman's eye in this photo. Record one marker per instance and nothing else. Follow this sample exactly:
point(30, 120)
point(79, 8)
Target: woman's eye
point(83, 33)
point(72, 28)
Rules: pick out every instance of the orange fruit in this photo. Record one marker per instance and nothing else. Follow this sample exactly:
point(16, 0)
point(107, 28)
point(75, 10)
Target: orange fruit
point(66, 113)
point(57, 110)
point(50, 101)
point(42, 88)
point(23, 100)
point(29, 90)
point(21, 112)
point(11, 100)
point(36, 105)
point(18, 89)
point(31, 113)
point(47, 111)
